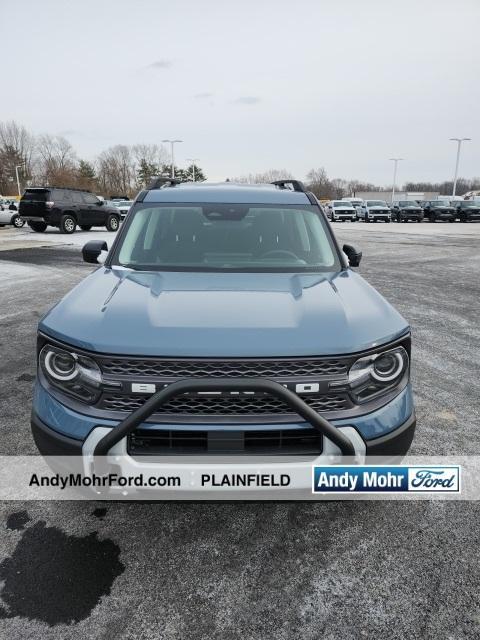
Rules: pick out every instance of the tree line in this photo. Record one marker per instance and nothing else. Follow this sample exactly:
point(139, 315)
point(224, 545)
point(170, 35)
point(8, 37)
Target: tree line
point(326, 188)
point(46, 159)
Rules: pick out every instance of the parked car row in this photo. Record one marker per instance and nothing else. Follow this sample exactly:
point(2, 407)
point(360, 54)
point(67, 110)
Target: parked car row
point(354, 209)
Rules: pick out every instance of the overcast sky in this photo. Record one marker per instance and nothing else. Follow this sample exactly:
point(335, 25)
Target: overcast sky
point(253, 84)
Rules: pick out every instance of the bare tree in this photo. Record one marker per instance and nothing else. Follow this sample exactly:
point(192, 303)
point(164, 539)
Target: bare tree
point(56, 161)
point(16, 148)
point(265, 177)
point(116, 171)
point(319, 183)
point(149, 160)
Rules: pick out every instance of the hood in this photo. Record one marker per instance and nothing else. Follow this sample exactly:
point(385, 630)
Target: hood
point(176, 314)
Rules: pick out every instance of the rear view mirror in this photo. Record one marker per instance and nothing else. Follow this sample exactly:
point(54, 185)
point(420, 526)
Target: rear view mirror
point(92, 250)
point(352, 254)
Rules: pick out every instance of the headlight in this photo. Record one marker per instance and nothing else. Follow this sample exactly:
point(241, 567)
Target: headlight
point(387, 366)
point(73, 373)
point(374, 374)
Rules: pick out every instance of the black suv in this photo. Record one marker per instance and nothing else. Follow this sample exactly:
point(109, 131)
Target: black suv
point(435, 210)
point(468, 210)
point(44, 207)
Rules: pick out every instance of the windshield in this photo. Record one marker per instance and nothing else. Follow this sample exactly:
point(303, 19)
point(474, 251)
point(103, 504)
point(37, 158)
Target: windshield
point(441, 203)
point(407, 203)
point(470, 203)
point(226, 237)
point(376, 203)
point(339, 203)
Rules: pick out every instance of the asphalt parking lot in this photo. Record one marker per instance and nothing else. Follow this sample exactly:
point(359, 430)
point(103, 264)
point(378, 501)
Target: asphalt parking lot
point(255, 571)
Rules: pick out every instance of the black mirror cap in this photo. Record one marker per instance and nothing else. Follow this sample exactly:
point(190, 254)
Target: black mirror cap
point(92, 250)
point(352, 254)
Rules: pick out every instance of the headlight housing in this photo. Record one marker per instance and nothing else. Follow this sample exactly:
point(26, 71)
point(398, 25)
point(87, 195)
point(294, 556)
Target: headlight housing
point(377, 373)
point(74, 374)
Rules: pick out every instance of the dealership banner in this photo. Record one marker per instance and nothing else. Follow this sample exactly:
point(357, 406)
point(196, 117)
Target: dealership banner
point(227, 478)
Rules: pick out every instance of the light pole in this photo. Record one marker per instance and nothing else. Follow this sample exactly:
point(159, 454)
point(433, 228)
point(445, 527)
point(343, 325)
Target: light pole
point(459, 144)
point(172, 155)
point(18, 166)
point(193, 160)
point(395, 165)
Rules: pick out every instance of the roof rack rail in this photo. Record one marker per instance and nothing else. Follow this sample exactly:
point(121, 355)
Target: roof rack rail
point(158, 182)
point(54, 186)
point(296, 185)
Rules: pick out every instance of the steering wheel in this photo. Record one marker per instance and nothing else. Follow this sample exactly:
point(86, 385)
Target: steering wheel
point(279, 253)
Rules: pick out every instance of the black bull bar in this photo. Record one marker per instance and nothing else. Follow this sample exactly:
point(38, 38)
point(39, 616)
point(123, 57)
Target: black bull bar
point(132, 421)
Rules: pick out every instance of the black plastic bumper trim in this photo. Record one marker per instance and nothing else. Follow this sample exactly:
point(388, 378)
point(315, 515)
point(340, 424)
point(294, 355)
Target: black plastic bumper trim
point(51, 443)
point(395, 443)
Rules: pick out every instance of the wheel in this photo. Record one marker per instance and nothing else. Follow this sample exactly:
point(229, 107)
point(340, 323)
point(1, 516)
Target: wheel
point(37, 226)
point(452, 220)
point(463, 219)
point(419, 220)
point(113, 222)
point(85, 227)
point(68, 224)
point(17, 222)
point(387, 221)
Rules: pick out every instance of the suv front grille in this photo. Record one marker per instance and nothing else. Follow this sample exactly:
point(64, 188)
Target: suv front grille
point(250, 368)
point(192, 404)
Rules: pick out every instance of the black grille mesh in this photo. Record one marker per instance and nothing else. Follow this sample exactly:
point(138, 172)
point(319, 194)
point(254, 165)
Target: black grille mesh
point(191, 404)
point(155, 368)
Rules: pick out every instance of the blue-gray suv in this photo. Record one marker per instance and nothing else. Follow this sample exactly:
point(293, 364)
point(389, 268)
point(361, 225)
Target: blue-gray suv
point(225, 319)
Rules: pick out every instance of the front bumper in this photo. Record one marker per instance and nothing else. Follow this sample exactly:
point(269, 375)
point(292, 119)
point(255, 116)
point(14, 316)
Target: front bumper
point(50, 442)
point(338, 217)
point(377, 216)
point(59, 431)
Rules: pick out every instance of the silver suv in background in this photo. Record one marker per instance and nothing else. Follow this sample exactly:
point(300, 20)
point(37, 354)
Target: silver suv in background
point(374, 210)
point(357, 202)
point(339, 210)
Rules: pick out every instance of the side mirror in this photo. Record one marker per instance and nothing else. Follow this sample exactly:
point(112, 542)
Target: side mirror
point(352, 254)
point(92, 250)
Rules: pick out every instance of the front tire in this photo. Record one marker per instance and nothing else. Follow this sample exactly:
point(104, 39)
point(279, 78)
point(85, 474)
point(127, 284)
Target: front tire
point(112, 223)
point(17, 222)
point(38, 227)
point(68, 224)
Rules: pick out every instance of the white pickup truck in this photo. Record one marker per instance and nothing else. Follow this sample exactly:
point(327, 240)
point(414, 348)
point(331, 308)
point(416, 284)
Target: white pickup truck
point(340, 210)
point(374, 210)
